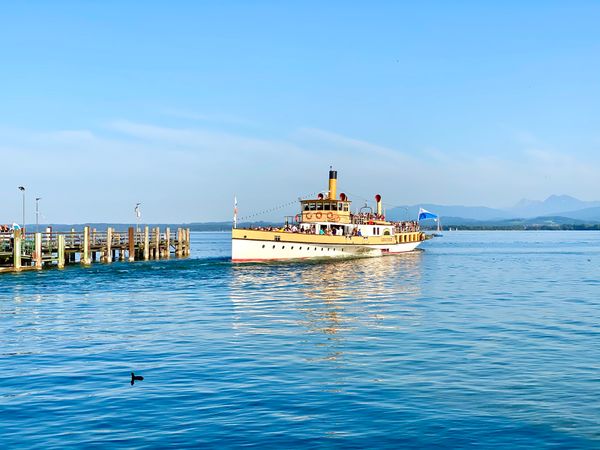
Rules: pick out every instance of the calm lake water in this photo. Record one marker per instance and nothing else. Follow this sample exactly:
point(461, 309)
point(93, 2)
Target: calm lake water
point(485, 339)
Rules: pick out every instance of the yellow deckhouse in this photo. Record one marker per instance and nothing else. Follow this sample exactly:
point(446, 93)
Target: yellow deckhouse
point(327, 228)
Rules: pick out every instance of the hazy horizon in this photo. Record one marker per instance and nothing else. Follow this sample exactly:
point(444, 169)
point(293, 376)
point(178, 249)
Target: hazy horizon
point(182, 107)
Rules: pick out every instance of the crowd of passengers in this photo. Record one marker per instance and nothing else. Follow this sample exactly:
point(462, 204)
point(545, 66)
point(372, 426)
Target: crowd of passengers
point(407, 227)
point(332, 230)
point(336, 230)
point(6, 228)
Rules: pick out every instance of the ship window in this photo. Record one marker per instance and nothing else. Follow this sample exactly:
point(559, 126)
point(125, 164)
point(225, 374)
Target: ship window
point(273, 246)
point(340, 206)
point(319, 206)
point(334, 207)
point(322, 249)
point(306, 207)
point(263, 246)
point(326, 206)
point(300, 248)
point(312, 206)
point(282, 247)
point(345, 206)
point(292, 248)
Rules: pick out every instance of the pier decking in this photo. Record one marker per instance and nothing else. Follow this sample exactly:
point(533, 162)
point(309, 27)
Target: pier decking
point(34, 251)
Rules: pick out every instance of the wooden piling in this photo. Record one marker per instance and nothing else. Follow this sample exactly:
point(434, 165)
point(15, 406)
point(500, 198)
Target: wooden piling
point(157, 243)
point(37, 256)
point(146, 244)
point(61, 251)
point(179, 251)
point(131, 243)
point(17, 250)
point(85, 260)
point(168, 243)
point(109, 256)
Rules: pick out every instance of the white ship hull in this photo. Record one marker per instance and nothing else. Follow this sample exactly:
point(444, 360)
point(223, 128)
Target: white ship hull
point(246, 250)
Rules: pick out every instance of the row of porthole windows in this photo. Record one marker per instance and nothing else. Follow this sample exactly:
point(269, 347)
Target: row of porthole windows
point(307, 248)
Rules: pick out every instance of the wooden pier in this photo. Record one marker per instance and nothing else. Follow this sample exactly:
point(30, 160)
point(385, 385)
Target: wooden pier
point(34, 251)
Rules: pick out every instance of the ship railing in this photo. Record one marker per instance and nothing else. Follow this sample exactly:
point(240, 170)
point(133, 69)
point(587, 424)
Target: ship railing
point(365, 218)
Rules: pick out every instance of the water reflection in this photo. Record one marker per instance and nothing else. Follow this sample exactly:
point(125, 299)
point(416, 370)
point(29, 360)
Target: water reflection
point(356, 279)
point(363, 279)
point(326, 298)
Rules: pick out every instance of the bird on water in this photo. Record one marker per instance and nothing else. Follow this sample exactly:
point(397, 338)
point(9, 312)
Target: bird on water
point(135, 378)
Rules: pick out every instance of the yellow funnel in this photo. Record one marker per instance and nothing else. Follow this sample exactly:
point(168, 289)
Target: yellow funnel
point(332, 184)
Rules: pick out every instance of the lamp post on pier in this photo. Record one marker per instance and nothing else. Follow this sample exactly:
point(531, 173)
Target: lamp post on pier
point(22, 189)
point(138, 216)
point(37, 213)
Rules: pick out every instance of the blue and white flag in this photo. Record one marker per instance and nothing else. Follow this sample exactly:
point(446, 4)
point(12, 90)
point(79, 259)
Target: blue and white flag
point(424, 214)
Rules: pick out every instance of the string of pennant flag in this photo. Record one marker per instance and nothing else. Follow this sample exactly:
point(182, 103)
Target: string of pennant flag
point(277, 208)
point(313, 195)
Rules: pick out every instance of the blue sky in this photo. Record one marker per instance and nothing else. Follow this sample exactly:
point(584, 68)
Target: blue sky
point(181, 105)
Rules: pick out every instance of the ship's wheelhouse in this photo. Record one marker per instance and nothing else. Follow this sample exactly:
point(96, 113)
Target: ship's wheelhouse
point(325, 210)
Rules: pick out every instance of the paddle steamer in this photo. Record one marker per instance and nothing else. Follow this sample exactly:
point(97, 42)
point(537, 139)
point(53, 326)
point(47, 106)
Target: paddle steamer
point(326, 228)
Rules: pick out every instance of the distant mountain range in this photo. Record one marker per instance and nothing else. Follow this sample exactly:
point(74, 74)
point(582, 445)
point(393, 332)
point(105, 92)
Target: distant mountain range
point(557, 209)
point(561, 205)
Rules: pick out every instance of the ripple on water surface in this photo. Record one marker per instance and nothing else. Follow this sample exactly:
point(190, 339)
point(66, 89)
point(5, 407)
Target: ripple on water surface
point(486, 339)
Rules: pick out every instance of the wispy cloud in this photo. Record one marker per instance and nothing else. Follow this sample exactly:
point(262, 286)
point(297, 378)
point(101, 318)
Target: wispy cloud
point(345, 144)
point(210, 118)
point(205, 140)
